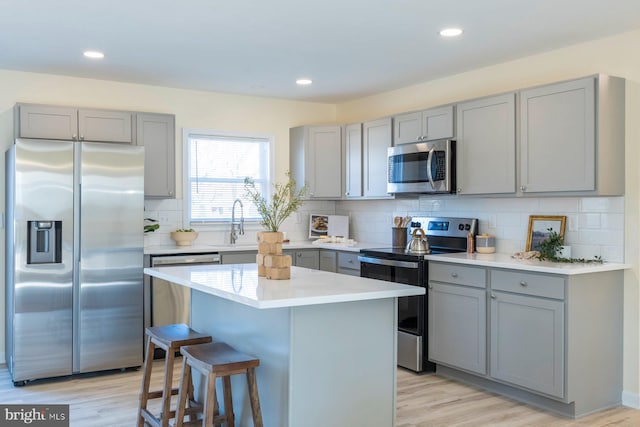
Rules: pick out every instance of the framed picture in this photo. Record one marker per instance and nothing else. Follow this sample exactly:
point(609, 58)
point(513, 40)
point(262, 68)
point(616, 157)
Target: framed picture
point(539, 226)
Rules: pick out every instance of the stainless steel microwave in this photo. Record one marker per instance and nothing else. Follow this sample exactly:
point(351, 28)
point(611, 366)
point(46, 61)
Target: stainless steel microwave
point(423, 167)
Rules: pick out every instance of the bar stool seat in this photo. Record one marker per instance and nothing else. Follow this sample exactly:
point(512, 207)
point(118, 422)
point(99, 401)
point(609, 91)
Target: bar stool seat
point(217, 359)
point(170, 338)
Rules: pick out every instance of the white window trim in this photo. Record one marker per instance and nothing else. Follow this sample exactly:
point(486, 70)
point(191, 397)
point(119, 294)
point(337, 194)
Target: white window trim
point(249, 225)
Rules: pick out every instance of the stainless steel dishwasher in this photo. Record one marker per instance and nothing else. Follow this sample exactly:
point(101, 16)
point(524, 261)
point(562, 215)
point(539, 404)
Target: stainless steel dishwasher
point(170, 303)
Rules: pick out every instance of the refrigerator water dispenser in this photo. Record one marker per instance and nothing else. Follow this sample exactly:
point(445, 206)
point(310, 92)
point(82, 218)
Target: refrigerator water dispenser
point(44, 242)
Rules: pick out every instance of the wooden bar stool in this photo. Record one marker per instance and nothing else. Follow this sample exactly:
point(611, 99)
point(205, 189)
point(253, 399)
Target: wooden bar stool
point(214, 360)
point(170, 338)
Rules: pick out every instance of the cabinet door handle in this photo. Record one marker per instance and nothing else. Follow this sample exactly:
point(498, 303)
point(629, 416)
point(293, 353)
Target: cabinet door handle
point(523, 188)
point(459, 190)
point(430, 286)
point(493, 296)
point(523, 283)
point(418, 138)
point(74, 137)
point(454, 274)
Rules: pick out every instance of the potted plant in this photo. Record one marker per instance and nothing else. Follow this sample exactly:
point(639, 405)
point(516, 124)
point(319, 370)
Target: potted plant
point(551, 248)
point(184, 236)
point(284, 201)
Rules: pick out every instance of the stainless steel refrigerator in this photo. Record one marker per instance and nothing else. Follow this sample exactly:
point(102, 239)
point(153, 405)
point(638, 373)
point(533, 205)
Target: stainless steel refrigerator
point(74, 257)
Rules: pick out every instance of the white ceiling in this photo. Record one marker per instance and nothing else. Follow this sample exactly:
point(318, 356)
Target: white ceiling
point(350, 48)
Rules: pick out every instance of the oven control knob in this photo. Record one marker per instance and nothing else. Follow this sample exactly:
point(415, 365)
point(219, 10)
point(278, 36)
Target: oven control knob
point(467, 227)
point(460, 227)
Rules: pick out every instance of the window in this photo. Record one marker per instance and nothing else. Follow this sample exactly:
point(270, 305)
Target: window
point(216, 165)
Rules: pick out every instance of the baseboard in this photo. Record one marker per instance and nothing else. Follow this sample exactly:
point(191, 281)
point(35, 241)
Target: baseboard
point(632, 400)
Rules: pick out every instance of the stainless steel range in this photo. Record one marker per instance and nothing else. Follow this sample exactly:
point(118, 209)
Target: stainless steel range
point(394, 264)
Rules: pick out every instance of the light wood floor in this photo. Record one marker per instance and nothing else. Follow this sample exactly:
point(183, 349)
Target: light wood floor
point(423, 401)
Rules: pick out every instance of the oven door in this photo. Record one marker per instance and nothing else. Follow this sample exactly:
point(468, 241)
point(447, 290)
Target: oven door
point(411, 310)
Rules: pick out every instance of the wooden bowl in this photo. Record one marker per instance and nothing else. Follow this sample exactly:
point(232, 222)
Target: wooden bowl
point(184, 238)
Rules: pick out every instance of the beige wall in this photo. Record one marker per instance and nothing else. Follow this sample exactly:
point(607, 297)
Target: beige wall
point(613, 55)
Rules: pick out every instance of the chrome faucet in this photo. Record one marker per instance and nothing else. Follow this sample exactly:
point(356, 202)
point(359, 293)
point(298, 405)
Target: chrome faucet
point(234, 223)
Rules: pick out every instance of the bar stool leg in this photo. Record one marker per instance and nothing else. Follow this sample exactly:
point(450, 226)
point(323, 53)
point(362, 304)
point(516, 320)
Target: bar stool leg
point(207, 420)
point(167, 392)
point(254, 398)
point(185, 379)
point(146, 381)
point(228, 401)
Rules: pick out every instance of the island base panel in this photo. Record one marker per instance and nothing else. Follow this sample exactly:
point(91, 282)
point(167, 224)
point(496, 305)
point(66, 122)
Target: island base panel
point(325, 364)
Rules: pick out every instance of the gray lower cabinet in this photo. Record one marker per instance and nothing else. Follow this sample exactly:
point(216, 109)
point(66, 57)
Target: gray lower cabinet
point(348, 263)
point(328, 261)
point(70, 123)
point(527, 342)
point(246, 257)
point(307, 258)
point(553, 340)
point(156, 132)
point(457, 316)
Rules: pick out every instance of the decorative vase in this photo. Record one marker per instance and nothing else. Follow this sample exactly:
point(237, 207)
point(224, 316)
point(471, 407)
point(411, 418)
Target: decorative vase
point(184, 238)
point(271, 263)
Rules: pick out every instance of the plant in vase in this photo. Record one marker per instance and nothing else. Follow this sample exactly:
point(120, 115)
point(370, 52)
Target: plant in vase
point(552, 246)
point(284, 201)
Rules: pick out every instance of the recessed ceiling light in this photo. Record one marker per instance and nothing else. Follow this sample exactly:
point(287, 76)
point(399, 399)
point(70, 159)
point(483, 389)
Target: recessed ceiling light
point(304, 82)
point(93, 54)
point(451, 32)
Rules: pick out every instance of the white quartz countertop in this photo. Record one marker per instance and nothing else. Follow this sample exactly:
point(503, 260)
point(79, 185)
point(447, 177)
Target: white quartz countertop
point(240, 283)
point(500, 260)
point(206, 248)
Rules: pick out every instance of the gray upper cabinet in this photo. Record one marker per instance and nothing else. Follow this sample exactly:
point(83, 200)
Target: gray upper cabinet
point(353, 161)
point(315, 159)
point(105, 125)
point(486, 145)
point(68, 123)
point(434, 123)
point(572, 137)
point(557, 137)
point(156, 132)
point(376, 137)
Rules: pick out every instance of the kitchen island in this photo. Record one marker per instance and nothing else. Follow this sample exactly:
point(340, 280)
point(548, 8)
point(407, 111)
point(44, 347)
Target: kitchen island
point(326, 341)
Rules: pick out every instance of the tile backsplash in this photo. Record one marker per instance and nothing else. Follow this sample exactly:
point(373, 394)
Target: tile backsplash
point(595, 225)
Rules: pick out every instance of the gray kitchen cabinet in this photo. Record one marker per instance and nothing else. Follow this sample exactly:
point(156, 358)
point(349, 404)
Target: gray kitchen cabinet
point(434, 123)
point(156, 132)
point(353, 161)
point(572, 137)
point(348, 263)
point(315, 160)
point(553, 340)
point(307, 258)
point(376, 137)
point(328, 260)
point(527, 342)
point(486, 145)
point(70, 123)
point(457, 316)
point(242, 257)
